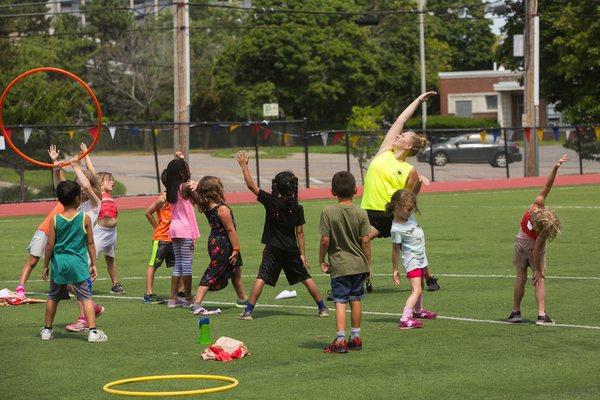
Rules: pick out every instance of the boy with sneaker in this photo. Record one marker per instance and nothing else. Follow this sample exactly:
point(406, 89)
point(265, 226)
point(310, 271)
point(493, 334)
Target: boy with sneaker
point(70, 241)
point(345, 231)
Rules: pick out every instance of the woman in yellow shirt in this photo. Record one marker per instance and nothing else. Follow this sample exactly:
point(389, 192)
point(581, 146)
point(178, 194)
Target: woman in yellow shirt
point(389, 171)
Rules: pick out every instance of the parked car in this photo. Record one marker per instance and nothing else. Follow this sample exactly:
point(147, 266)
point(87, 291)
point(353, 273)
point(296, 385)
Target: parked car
point(469, 148)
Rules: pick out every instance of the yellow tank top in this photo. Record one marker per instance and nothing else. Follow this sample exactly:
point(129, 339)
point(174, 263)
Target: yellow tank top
point(385, 175)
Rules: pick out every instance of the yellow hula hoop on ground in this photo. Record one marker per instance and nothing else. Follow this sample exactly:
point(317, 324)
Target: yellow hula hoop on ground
point(108, 387)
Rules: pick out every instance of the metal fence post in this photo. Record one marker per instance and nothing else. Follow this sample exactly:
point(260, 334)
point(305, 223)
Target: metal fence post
point(347, 151)
point(578, 133)
point(431, 155)
point(255, 133)
point(305, 140)
point(153, 134)
point(506, 153)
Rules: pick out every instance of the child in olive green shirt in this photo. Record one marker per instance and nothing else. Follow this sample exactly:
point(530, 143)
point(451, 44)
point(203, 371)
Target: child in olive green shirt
point(345, 231)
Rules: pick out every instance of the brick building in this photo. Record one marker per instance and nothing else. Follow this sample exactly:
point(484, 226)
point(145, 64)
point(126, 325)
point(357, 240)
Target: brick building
point(493, 94)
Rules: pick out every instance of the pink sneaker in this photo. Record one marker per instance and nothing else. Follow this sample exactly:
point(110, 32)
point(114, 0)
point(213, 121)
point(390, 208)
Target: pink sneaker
point(98, 309)
point(410, 323)
point(20, 291)
point(78, 326)
point(424, 314)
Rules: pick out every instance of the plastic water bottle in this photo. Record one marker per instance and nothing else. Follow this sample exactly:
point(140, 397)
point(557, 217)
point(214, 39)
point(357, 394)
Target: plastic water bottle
point(204, 326)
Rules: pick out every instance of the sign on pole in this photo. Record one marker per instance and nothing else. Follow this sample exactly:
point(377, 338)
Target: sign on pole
point(271, 110)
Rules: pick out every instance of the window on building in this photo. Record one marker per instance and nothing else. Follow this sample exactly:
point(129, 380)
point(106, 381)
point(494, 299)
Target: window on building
point(491, 102)
point(464, 108)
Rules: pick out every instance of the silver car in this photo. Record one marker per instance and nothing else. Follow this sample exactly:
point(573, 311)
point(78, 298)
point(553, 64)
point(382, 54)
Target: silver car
point(469, 148)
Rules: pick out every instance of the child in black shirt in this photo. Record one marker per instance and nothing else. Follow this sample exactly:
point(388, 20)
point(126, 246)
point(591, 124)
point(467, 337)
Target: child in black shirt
point(282, 236)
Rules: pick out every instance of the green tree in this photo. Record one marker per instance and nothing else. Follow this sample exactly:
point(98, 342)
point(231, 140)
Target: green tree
point(366, 119)
point(569, 54)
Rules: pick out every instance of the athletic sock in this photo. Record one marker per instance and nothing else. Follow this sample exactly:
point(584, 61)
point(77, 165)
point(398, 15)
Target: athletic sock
point(419, 304)
point(321, 304)
point(249, 307)
point(406, 314)
point(354, 333)
point(340, 336)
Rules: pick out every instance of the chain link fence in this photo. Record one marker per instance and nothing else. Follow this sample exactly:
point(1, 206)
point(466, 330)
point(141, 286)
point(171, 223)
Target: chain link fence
point(136, 153)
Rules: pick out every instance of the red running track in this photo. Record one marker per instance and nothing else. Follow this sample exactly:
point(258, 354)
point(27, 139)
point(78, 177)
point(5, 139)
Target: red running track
point(141, 202)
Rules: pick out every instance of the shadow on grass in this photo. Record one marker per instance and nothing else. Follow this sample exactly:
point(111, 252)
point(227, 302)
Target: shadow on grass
point(315, 344)
point(260, 313)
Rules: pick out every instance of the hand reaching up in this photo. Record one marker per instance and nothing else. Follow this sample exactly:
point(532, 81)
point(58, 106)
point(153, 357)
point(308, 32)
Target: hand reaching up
point(562, 160)
point(242, 158)
point(54, 153)
point(425, 96)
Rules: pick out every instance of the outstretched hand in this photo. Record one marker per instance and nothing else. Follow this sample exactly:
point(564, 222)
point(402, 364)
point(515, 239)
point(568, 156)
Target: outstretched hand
point(425, 96)
point(242, 158)
point(424, 180)
point(562, 160)
point(54, 153)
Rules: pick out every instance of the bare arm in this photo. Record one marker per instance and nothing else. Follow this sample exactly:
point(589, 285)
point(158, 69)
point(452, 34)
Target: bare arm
point(411, 181)
point(57, 173)
point(541, 198)
point(366, 247)
point(396, 248)
point(153, 208)
point(48, 250)
point(323, 247)
point(397, 126)
point(300, 238)
point(84, 182)
point(421, 180)
point(538, 271)
point(91, 246)
point(242, 159)
point(227, 220)
point(88, 161)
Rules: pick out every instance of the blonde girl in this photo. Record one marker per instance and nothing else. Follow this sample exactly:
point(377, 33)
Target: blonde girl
point(409, 240)
point(538, 226)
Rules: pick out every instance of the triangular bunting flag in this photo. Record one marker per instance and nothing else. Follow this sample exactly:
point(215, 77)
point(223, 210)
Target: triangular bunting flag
point(93, 132)
point(324, 137)
point(568, 133)
point(337, 137)
point(266, 133)
point(528, 134)
point(482, 136)
point(540, 134)
point(510, 135)
point(286, 138)
point(254, 128)
point(354, 140)
point(26, 134)
point(134, 131)
point(71, 133)
point(233, 127)
point(555, 132)
point(496, 134)
point(597, 132)
point(112, 130)
point(156, 131)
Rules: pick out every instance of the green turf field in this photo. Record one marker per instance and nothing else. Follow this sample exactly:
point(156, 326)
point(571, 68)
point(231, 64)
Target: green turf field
point(467, 353)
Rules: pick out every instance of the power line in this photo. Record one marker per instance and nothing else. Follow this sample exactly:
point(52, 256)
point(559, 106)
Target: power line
point(136, 10)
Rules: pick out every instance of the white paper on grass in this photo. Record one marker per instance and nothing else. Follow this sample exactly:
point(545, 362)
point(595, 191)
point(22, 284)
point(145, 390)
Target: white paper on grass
point(286, 294)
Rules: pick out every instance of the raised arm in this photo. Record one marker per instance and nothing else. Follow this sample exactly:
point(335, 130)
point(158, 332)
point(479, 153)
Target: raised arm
point(88, 161)
point(397, 126)
point(89, 231)
point(242, 158)
point(541, 198)
point(57, 173)
point(84, 182)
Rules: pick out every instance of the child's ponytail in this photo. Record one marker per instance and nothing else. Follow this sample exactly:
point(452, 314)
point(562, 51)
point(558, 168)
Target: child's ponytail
point(284, 187)
point(178, 172)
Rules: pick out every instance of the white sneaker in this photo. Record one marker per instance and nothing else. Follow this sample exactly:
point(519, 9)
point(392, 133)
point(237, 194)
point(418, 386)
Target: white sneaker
point(96, 336)
point(174, 303)
point(46, 334)
point(196, 309)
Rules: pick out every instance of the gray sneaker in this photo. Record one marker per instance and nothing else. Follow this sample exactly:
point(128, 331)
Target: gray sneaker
point(197, 309)
point(46, 334)
point(324, 312)
point(117, 289)
point(245, 315)
point(96, 336)
point(241, 303)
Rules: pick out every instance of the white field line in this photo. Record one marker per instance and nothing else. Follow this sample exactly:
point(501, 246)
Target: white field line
point(511, 207)
point(477, 276)
point(260, 305)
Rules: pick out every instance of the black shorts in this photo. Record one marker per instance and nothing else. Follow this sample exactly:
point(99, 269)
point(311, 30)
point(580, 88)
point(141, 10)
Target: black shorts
point(274, 260)
point(382, 221)
point(161, 252)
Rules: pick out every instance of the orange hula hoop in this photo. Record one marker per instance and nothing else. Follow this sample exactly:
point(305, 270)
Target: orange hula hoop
point(68, 74)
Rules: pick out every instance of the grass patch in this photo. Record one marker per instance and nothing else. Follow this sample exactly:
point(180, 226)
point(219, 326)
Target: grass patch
point(470, 239)
point(280, 151)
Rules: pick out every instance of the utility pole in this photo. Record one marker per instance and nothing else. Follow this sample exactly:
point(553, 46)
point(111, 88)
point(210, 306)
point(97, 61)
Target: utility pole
point(181, 67)
point(423, 75)
point(531, 94)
